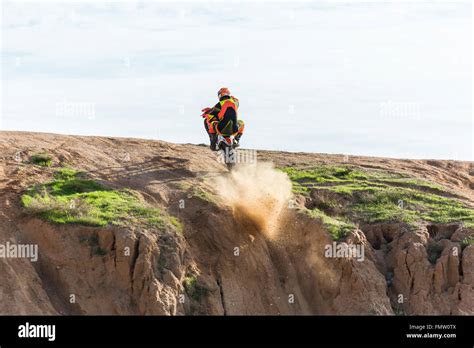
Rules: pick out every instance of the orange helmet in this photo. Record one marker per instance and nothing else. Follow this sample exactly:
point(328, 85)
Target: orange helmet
point(222, 92)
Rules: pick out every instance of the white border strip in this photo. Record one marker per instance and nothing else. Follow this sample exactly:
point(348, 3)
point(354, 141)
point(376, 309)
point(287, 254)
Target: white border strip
point(322, 2)
point(1, 67)
point(472, 90)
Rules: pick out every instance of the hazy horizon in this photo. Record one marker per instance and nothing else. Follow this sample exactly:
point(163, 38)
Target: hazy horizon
point(388, 80)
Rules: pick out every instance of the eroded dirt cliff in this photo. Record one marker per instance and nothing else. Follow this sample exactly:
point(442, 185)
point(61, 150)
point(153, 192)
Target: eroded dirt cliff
point(248, 243)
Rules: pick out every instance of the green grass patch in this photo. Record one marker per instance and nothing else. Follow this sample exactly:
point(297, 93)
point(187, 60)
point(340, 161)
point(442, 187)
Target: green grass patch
point(71, 199)
point(412, 182)
point(199, 192)
point(338, 228)
point(384, 213)
point(176, 223)
point(324, 174)
point(411, 205)
point(67, 173)
point(41, 159)
point(467, 241)
point(193, 289)
point(195, 190)
point(377, 196)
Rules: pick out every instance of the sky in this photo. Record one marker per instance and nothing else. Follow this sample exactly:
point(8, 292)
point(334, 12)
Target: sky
point(391, 79)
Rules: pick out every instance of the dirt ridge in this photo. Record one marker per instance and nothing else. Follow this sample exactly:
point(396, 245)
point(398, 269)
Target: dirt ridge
point(224, 262)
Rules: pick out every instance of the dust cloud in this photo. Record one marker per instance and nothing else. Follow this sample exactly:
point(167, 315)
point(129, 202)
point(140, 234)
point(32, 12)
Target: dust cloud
point(257, 193)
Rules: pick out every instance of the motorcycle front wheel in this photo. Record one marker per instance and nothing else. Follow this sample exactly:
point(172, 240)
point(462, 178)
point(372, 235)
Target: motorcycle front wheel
point(230, 157)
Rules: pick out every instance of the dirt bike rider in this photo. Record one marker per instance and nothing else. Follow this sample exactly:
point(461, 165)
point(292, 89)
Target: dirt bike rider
point(222, 118)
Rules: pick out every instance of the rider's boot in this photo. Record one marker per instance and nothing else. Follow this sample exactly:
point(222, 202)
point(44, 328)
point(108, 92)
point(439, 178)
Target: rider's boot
point(237, 140)
point(213, 138)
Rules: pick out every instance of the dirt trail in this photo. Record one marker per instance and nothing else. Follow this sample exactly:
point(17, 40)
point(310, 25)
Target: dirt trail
point(246, 249)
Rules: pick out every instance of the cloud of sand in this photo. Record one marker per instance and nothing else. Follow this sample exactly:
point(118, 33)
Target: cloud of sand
point(257, 193)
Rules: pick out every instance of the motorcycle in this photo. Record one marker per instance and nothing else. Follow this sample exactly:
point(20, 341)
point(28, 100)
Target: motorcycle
point(226, 147)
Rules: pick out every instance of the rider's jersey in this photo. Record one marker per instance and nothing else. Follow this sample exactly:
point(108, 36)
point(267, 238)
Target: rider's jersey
point(227, 106)
point(223, 116)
